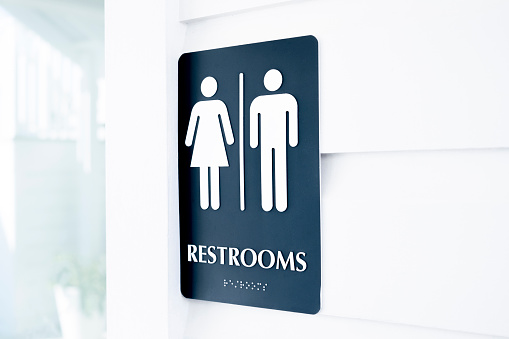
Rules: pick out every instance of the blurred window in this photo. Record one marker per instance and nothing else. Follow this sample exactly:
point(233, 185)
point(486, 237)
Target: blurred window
point(52, 199)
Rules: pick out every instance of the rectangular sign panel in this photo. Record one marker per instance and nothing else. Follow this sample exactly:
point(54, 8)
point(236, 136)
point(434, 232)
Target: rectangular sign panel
point(249, 175)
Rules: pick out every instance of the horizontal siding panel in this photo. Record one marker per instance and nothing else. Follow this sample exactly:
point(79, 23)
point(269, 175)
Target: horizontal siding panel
point(201, 9)
point(395, 75)
point(418, 238)
point(219, 321)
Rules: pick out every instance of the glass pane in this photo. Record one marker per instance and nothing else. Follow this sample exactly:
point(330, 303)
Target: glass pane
point(52, 199)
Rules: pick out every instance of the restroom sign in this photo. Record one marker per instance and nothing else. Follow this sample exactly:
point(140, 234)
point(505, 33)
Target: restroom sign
point(249, 175)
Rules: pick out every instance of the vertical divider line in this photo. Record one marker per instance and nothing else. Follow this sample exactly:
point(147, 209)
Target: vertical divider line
point(241, 141)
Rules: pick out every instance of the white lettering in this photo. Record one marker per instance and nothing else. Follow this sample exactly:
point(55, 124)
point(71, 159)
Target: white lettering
point(301, 261)
point(284, 264)
point(201, 254)
point(222, 250)
point(208, 255)
point(191, 250)
point(234, 253)
point(272, 259)
point(211, 254)
point(243, 257)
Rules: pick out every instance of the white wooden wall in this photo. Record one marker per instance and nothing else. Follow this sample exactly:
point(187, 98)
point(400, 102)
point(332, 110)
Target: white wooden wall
point(415, 191)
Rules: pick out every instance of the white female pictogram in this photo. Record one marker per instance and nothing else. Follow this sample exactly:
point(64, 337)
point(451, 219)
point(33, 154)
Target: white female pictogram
point(209, 151)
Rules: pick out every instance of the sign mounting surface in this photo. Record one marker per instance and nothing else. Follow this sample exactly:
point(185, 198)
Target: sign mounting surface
point(249, 175)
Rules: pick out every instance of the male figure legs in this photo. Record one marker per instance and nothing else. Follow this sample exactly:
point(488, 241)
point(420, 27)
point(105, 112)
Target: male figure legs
point(274, 158)
point(266, 177)
point(280, 178)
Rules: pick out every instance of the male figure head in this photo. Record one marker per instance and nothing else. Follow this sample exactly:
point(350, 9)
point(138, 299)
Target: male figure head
point(273, 80)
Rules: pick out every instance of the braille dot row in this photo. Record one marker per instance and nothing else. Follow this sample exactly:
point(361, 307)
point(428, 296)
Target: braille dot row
point(246, 285)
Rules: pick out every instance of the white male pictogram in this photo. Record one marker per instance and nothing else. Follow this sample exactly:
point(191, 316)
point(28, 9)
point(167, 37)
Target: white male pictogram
point(272, 111)
point(209, 151)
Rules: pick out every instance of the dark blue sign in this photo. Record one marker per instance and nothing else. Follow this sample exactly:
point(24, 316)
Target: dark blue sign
point(249, 175)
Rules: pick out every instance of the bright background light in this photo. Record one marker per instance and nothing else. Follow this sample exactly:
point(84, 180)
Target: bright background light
point(52, 213)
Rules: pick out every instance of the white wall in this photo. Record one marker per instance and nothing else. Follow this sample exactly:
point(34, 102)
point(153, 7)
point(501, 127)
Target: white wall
point(395, 75)
point(415, 192)
point(138, 165)
point(418, 238)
